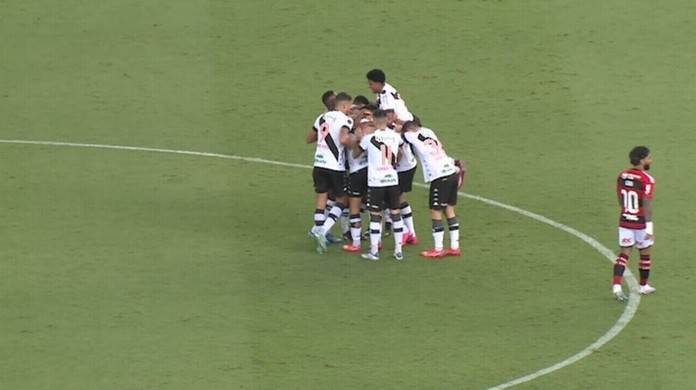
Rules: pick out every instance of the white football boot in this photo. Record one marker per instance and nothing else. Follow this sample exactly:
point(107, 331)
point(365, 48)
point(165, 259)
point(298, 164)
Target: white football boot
point(618, 293)
point(647, 289)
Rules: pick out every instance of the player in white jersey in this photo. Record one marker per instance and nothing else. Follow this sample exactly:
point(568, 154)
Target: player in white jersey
point(328, 98)
point(331, 131)
point(440, 171)
point(406, 168)
point(382, 147)
point(387, 96)
point(357, 183)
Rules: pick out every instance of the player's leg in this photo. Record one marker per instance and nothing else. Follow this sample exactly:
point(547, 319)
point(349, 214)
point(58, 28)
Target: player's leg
point(387, 221)
point(453, 227)
point(436, 218)
point(375, 200)
point(338, 188)
point(321, 188)
point(335, 213)
point(645, 264)
point(345, 216)
point(357, 184)
point(319, 207)
point(626, 243)
point(450, 195)
point(406, 185)
point(330, 203)
point(393, 194)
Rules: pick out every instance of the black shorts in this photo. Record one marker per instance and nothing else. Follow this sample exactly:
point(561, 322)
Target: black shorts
point(406, 180)
point(379, 197)
point(326, 179)
point(357, 183)
point(443, 192)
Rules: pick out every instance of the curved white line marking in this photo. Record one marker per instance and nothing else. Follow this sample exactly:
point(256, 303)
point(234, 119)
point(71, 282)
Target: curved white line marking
point(626, 316)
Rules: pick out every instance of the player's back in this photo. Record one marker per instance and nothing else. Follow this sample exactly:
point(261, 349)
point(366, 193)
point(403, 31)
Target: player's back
point(389, 98)
point(632, 187)
point(330, 153)
point(382, 148)
point(434, 161)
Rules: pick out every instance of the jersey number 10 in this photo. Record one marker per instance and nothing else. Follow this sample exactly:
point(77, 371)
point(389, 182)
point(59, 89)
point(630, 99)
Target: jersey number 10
point(630, 201)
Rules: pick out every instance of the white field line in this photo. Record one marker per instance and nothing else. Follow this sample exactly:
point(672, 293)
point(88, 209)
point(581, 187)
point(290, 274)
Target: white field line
point(626, 316)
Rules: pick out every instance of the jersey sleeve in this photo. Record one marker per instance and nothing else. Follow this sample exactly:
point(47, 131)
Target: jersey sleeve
point(317, 123)
point(349, 123)
point(649, 188)
point(409, 136)
point(387, 100)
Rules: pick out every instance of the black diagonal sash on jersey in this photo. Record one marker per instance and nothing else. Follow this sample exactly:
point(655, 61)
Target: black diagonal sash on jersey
point(422, 138)
point(330, 141)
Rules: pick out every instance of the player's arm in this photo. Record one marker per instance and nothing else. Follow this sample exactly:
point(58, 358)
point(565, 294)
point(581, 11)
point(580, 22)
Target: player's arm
point(359, 147)
point(648, 213)
point(357, 151)
point(311, 136)
point(346, 138)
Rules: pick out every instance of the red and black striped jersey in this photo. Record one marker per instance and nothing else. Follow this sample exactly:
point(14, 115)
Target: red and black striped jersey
point(632, 187)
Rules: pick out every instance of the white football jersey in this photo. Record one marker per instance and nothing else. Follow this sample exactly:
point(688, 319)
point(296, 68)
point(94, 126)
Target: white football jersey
point(330, 153)
point(382, 148)
point(435, 163)
point(356, 164)
point(408, 159)
point(390, 99)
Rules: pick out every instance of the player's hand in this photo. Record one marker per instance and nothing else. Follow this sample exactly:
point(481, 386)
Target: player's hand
point(649, 236)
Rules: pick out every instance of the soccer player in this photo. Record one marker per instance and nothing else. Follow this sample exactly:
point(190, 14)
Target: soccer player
point(406, 168)
point(331, 131)
point(357, 185)
point(328, 98)
point(439, 170)
point(382, 147)
point(635, 188)
point(387, 96)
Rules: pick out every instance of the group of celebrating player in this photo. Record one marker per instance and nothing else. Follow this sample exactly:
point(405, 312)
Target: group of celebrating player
point(366, 156)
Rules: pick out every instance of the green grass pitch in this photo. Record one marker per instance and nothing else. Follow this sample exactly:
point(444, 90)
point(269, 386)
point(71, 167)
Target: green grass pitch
point(126, 269)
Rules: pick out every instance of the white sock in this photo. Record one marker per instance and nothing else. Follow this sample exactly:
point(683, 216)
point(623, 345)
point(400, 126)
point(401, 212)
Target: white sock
point(398, 232)
point(407, 216)
point(375, 235)
point(454, 232)
point(333, 216)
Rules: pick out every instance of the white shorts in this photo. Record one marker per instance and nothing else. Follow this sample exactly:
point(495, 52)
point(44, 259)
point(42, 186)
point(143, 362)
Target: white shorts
point(631, 237)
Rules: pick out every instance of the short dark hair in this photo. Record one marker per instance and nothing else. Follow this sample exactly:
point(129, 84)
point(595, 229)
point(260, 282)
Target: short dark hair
point(326, 99)
point(377, 75)
point(343, 97)
point(408, 125)
point(379, 114)
point(361, 101)
point(638, 153)
point(417, 120)
point(372, 107)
